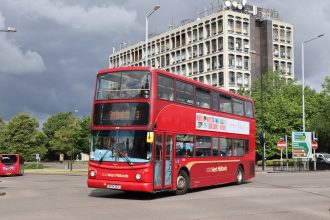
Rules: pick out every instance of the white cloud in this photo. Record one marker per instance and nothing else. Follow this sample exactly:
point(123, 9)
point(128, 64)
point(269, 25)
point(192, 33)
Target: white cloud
point(13, 60)
point(98, 18)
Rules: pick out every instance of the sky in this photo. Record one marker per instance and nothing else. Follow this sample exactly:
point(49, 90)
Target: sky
point(49, 65)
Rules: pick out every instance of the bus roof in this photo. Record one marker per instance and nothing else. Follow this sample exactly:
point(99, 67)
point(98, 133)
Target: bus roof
point(141, 68)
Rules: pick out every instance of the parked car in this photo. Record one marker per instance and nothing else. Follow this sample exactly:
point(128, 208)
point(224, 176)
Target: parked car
point(323, 157)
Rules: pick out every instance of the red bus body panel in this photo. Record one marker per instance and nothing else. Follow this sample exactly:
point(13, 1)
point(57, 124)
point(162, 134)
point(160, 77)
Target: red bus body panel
point(115, 173)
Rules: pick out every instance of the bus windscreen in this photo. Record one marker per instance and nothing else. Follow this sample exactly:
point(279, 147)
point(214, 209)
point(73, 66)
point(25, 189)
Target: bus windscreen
point(123, 85)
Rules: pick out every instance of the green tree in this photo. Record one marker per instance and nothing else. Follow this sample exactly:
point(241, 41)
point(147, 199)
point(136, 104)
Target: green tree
point(21, 135)
point(72, 138)
point(51, 126)
point(85, 125)
point(321, 120)
point(66, 138)
point(282, 107)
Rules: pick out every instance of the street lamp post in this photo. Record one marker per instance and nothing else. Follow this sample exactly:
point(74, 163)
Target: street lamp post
point(303, 77)
point(147, 17)
point(9, 29)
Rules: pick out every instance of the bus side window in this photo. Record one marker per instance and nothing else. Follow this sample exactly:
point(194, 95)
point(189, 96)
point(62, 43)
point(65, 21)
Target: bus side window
point(203, 98)
point(238, 107)
point(184, 93)
point(203, 146)
point(238, 149)
point(247, 147)
point(225, 104)
point(184, 145)
point(215, 147)
point(248, 109)
point(226, 147)
point(165, 88)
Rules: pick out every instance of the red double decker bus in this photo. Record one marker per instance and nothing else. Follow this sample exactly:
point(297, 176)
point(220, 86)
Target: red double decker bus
point(11, 164)
point(156, 131)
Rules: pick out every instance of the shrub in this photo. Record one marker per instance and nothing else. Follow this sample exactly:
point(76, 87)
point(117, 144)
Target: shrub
point(33, 166)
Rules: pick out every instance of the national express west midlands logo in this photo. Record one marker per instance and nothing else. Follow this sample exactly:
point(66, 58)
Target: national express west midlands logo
point(216, 169)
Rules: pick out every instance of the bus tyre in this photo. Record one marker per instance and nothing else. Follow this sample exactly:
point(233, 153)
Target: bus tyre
point(239, 175)
point(182, 183)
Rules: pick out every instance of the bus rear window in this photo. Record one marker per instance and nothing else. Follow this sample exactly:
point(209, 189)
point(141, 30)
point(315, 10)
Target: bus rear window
point(8, 159)
point(121, 114)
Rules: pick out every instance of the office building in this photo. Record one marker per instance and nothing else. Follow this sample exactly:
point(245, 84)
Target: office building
point(225, 47)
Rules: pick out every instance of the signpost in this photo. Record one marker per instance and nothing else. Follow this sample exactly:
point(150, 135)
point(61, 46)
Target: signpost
point(281, 145)
point(38, 159)
point(301, 145)
point(314, 145)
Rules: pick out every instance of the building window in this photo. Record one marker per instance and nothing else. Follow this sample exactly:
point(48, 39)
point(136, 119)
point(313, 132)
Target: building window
point(231, 60)
point(238, 27)
point(239, 62)
point(238, 44)
point(247, 80)
point(220, 44)
point(231, 45)
point(239, 79)
point(246, 63)
point(246, 28)
point(230, 25)
point(275, 34)
point(288, 36)
point(221, 79)
point(231, 78)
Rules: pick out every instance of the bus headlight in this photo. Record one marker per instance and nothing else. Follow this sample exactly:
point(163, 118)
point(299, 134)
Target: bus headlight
point(92, 173)
point(138, 176)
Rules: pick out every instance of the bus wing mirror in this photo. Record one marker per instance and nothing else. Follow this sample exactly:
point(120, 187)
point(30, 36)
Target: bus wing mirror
point(150, 137)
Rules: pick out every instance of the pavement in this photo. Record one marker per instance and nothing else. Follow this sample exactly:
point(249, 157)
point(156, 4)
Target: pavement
point(58, 171)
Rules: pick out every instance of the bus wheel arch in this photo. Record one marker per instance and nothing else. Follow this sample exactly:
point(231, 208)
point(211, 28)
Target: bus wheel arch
point(182, 181)
point(240, 174)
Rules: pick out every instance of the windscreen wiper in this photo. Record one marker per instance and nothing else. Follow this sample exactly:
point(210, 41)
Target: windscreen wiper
point(121, 154)
point(101, 159)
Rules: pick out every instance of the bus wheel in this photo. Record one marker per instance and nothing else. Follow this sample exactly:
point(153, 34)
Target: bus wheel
point(182, 183)
point(239, 175)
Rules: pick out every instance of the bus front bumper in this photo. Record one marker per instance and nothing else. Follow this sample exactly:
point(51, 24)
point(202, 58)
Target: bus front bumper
point(124, 186)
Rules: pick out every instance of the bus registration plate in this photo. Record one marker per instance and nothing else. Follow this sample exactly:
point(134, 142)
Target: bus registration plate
point(113, 186)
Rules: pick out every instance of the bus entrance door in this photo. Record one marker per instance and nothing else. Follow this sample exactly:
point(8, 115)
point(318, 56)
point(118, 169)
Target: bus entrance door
point(163, 161)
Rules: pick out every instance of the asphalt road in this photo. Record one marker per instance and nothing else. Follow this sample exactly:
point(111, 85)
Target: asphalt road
point(268, 196)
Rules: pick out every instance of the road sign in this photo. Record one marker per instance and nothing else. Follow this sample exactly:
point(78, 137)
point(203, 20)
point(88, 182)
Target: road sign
point(281, 145)
point(314, 145)
point(301, 145)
